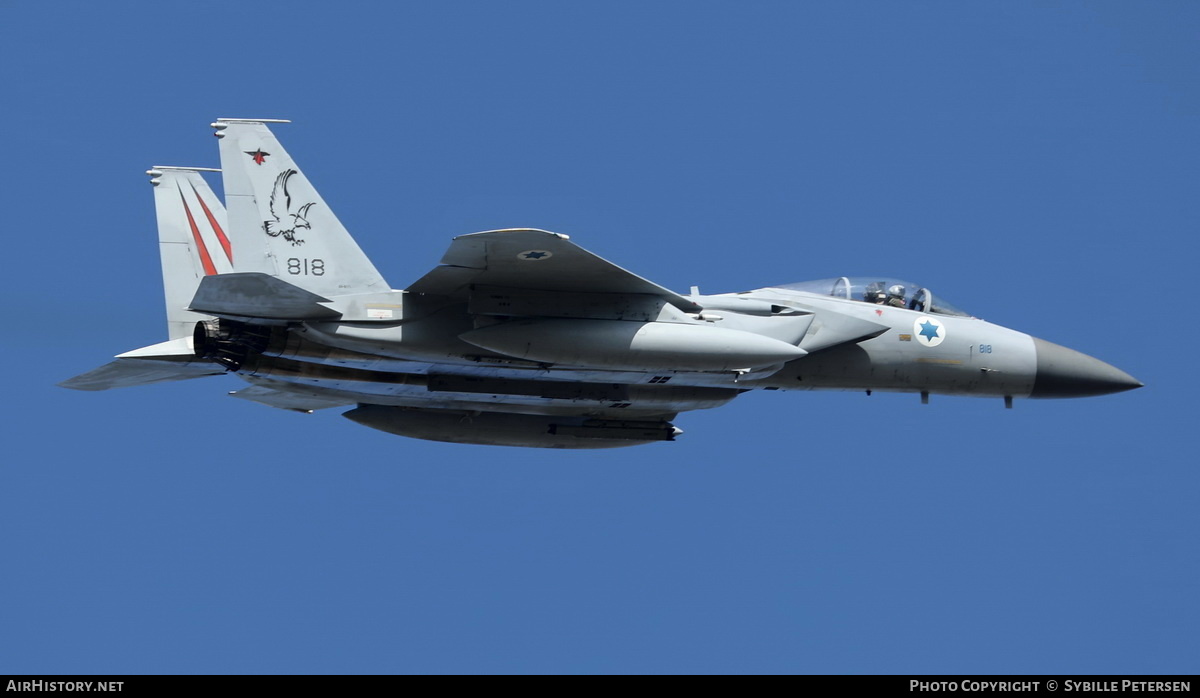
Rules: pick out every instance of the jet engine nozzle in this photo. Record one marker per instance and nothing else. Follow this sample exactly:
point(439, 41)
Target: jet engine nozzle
point(228, 343)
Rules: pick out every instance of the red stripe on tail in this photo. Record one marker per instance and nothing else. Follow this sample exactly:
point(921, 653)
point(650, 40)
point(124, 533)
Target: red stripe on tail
point(215, 226)
point(206, 260)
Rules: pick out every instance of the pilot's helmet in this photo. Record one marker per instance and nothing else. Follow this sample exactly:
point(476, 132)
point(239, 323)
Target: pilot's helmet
point(896, 290)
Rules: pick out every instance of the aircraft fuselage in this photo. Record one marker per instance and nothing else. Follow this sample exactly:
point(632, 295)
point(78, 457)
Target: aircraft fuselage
point(520, 337)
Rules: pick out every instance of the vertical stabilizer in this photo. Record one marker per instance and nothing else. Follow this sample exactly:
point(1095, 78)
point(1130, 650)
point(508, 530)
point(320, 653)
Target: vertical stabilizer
point(280, 224)
point(193, 240)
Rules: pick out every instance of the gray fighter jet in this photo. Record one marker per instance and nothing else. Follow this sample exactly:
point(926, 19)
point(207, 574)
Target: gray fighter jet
point(520, 337)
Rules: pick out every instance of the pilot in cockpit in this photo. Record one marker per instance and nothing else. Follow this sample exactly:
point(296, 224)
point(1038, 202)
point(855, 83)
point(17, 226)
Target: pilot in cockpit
point(895, 296)
point(874, 293)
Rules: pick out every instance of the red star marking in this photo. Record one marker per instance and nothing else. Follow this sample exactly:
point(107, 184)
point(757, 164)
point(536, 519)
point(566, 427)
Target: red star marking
point(258, 156)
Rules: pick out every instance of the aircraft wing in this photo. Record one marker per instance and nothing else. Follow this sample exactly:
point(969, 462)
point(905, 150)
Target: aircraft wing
point(535, 260)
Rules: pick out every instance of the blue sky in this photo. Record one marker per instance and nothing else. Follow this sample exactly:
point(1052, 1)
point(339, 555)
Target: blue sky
point(1034, 163)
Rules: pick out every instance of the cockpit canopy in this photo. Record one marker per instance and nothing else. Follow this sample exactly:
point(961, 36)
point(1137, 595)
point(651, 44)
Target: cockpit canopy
point(879, 290)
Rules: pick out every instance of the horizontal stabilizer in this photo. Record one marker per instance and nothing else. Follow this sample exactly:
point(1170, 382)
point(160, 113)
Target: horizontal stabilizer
point(258, 295)
point(125, 373)
point(170, 350)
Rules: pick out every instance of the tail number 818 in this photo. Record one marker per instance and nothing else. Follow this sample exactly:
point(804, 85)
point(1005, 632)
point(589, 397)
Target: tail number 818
point(305, 267)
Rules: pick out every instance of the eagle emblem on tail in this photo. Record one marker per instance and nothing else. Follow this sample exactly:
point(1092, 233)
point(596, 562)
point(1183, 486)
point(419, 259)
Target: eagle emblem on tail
point(286, 222)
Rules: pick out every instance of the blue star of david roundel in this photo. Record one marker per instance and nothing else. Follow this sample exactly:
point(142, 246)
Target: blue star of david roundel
point(929, 331)
point(535, 255)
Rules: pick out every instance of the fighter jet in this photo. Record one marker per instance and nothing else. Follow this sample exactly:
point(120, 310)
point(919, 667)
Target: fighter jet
point(520, 337)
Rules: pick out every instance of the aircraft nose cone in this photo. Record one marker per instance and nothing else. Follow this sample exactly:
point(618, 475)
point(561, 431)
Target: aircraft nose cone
point(1063, 372)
